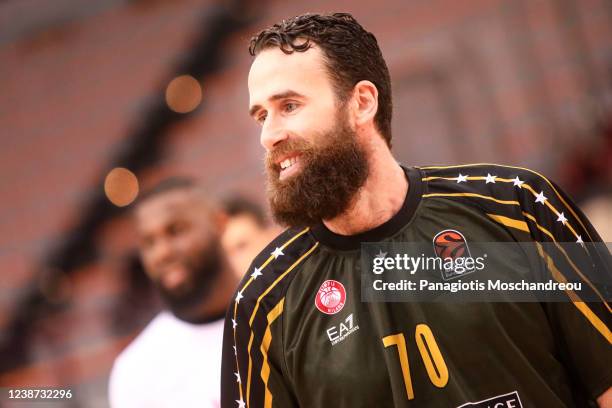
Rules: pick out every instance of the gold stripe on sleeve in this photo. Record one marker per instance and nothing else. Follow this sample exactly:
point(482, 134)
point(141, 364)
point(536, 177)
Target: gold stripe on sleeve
point(270, 258)
point(256, 308)
point(522, 226)
point(565, 203)
point(510, 222)
point(265, 346)
point(509, 202)
point(580, 305)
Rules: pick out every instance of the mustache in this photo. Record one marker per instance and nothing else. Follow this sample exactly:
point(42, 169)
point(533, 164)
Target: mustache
point(293, 145)
point(334, 167)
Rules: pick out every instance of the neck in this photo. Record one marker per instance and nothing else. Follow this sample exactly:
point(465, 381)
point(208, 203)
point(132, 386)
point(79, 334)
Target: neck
point(379, 199)
point(215, 304)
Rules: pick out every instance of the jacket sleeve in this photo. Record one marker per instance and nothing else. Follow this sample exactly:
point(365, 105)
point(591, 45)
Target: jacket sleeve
point(571, 250)
point(252, 373)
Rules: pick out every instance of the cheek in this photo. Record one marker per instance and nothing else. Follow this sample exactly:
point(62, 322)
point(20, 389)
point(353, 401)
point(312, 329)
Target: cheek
point(307, 127)
point(190, 245)
point(148, 263)
point(194, 245)
point(297, 125)
point(145, 257)
point(313, 116)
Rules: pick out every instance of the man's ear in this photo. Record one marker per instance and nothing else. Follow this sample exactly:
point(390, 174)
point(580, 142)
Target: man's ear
point(364, 103)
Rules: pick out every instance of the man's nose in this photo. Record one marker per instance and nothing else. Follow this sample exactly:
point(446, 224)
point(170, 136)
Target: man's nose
point(161, 252)
point(272, 134)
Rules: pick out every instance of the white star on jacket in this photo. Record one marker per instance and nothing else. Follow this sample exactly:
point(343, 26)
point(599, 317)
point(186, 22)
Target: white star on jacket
point(380, 254)
point(256, 273)
point(239, 296)
point(277, 252)
point(562, 219)
point(490, 179)
point(540, 198)
point(518, 182)
point(461, 178)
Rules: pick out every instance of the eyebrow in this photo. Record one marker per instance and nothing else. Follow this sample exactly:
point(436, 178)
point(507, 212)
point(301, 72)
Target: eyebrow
point(276, 97)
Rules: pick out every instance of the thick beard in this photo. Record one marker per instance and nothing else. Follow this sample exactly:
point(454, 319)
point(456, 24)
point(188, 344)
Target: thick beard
point(330, 176)
point(203, 276)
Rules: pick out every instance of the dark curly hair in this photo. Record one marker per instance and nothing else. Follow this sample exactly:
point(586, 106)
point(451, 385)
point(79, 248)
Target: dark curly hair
point(351, 54)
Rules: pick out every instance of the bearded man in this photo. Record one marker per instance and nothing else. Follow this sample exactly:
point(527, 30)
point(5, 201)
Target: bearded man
point(175, 360)
point(298, 332)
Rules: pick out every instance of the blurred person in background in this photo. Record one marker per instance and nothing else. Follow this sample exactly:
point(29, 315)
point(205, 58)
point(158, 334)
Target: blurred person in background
point(247, 231)
point(599, 211)
point(299, 332)
point(175, 361)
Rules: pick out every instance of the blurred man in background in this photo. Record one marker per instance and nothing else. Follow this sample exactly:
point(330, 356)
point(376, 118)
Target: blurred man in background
point(175, 361)
point(247, 232)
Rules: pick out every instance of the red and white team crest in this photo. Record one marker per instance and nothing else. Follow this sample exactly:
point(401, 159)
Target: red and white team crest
point(331, 297)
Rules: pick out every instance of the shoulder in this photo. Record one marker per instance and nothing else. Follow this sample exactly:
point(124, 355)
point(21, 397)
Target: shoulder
point(482, 176)
point(146, 341)
point(279, 255)
point(257, 311)
point(490, 183)
point(515, 196)
point(266, 282)
point(128, 364)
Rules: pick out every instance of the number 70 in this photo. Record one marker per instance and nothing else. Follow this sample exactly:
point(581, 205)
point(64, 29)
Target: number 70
point(430, 353)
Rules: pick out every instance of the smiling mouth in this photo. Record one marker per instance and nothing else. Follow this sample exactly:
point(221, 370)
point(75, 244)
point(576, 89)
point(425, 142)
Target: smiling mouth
point(288, 166)
point(285, 164)
point(173, 278)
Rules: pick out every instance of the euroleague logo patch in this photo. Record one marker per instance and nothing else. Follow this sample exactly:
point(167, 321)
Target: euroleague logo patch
point(451, 246)
point(331, 297)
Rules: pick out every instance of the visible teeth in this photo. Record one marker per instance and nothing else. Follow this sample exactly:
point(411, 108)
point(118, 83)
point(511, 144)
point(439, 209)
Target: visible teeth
point(288, 163)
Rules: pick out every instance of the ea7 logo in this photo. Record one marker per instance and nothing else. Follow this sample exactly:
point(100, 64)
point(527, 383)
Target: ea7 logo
point(338, 333)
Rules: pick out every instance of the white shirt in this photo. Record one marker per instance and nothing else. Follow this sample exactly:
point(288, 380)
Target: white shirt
point(172, 363)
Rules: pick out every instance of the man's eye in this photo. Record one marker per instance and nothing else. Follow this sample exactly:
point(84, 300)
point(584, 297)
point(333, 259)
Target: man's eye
point(176, 229)
point(261, 118)
point(290, 107)
point(146, 242)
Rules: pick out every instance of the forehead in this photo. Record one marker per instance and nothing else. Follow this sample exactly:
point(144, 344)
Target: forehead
point(274, 72)
point(168, 206)
point(239, 224)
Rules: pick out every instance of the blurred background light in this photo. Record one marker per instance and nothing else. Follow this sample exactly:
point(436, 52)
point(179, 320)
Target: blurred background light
point(121, 186)
point(183, 94)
